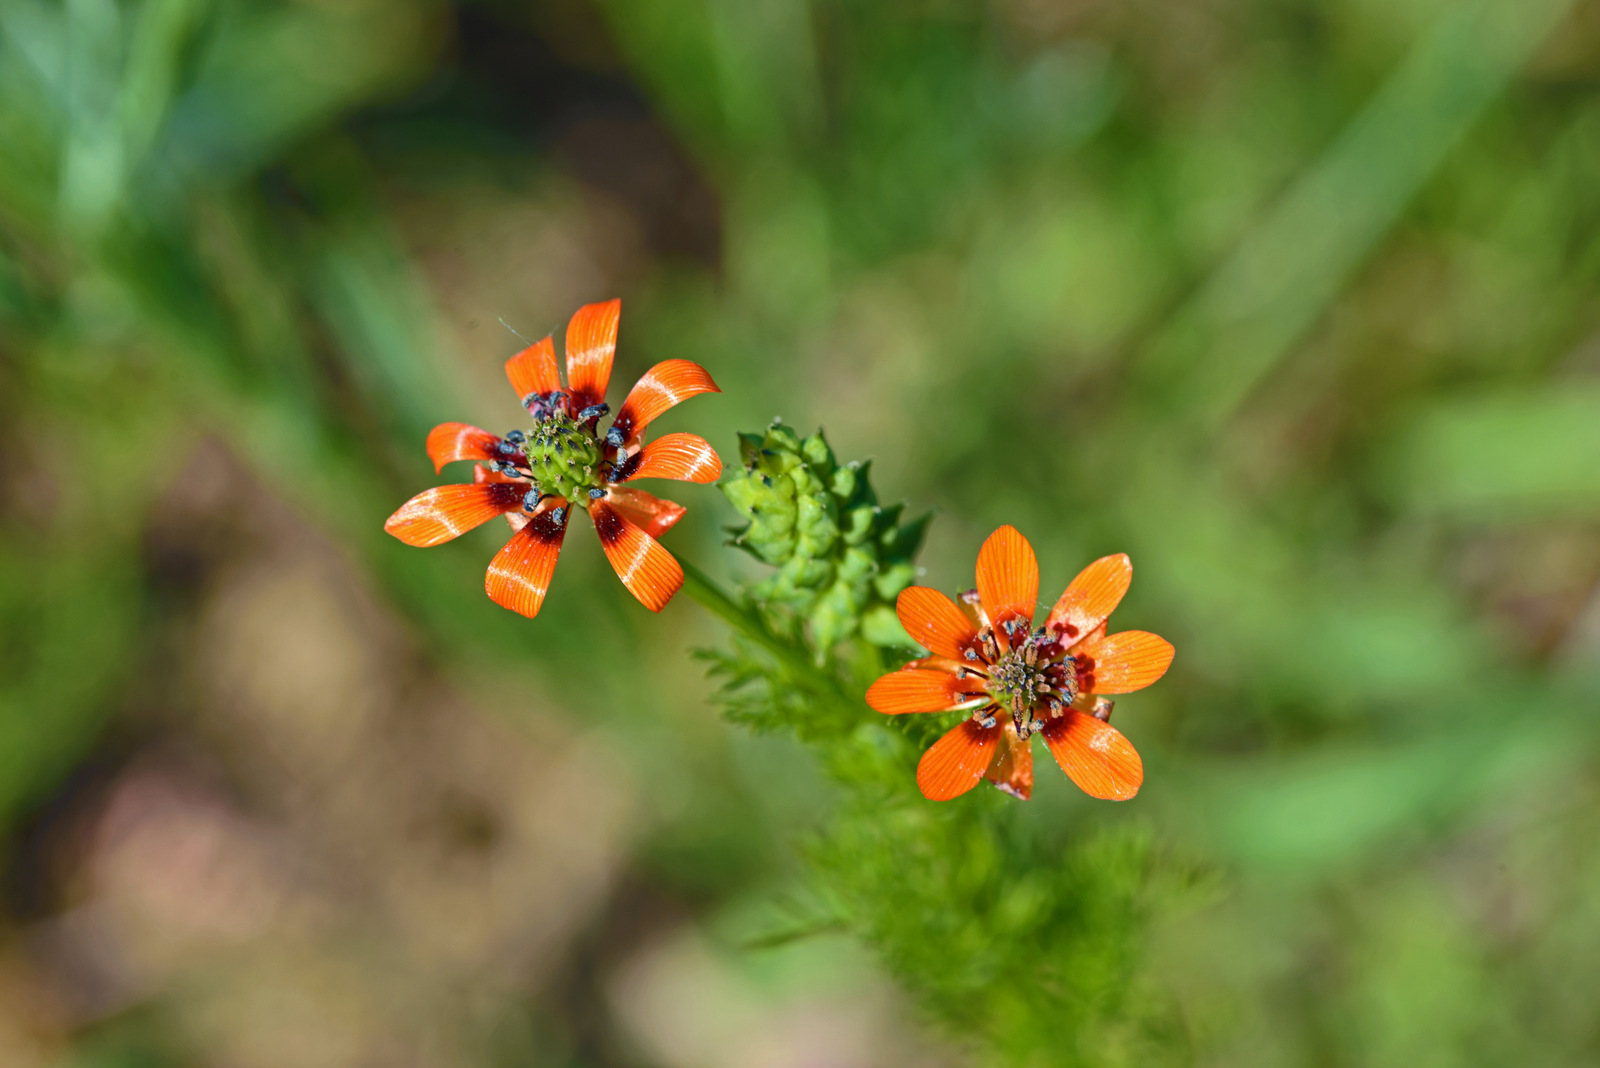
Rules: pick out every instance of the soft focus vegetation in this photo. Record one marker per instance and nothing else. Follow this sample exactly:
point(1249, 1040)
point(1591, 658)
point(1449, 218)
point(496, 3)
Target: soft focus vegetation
point(1296, 302)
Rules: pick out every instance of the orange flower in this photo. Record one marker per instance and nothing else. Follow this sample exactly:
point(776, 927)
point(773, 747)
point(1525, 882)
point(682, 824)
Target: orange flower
point(988, 658)
point(537, 477)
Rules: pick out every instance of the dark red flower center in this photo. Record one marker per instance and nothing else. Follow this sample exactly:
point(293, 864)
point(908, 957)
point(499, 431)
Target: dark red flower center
point(1030, 676)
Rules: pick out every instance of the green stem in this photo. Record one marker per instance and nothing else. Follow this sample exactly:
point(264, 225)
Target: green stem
point(704, 591)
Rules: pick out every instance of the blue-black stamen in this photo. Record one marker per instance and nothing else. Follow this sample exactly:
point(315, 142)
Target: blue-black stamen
point(558, 516)
point(595, 493)
point(614, 437)
point(594, 411)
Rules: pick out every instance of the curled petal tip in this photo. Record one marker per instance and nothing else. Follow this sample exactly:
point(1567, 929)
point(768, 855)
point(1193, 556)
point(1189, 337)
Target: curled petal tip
point(666, 384)
point(449, 442)
point(437, 515)
point(591, 344)
point(685, 457)
point(532, 372)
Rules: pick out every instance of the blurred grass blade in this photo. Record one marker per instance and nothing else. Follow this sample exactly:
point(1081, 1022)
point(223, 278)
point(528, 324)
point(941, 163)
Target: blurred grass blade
point(1503, 456)
point(1284, 274)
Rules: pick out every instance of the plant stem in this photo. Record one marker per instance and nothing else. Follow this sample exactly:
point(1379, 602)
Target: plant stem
point(704, 591)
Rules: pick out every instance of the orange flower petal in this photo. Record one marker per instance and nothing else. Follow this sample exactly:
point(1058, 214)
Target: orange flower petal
point(652, 514)
point(591, 344)
point(1094, 755)
point(648, 570)
point(519, 575)
point(449, 442)
point(934, 621)
point(435, 516)
point(954, 764)
point(685, 457)
point(1091, 597)
point(1123, 662)
point(486, 474)
point(665, 384)
point(1008, 579)
point(913, 690)
point(1013, 772)
point(533, 370)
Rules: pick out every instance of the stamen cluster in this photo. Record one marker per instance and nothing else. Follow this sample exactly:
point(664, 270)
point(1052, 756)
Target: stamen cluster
point(1030, 676)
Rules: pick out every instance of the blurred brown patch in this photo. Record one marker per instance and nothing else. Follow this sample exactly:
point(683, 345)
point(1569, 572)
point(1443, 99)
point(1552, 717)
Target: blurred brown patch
point(322, 853)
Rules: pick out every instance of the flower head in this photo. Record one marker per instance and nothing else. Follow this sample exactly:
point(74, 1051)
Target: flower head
point(562, 463)
point(1018, 681)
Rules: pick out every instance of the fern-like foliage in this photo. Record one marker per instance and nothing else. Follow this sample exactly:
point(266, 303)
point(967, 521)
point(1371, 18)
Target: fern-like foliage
point(1019, 931)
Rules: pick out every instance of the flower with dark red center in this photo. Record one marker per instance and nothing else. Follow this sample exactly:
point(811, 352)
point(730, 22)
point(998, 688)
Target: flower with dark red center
point(537, 477)
point(1018, 681)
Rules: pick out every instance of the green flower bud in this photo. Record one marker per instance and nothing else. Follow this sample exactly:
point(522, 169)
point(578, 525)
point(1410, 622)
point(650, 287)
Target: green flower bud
point(841, 558)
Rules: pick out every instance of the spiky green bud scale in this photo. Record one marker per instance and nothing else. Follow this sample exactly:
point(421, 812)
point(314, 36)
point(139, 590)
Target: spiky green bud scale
point(841, 558)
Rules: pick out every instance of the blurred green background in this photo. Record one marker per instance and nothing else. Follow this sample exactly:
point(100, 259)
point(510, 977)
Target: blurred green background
point(1296, 301)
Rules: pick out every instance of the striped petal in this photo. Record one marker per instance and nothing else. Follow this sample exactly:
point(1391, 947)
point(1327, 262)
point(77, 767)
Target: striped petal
point(652, 514)
point(1008, 579)
point(591, 344)
point(532, 372)
point(1013, 771)
point(911, 690)
point(648, 570)
point(1091, 597)
point(1123, 662)
point(664, 385)
point(437, 515)
point(685, 457)
point(934, 622)
point(449, 442)
point(519, 575)
point(1094, 755)
point(955, 763)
